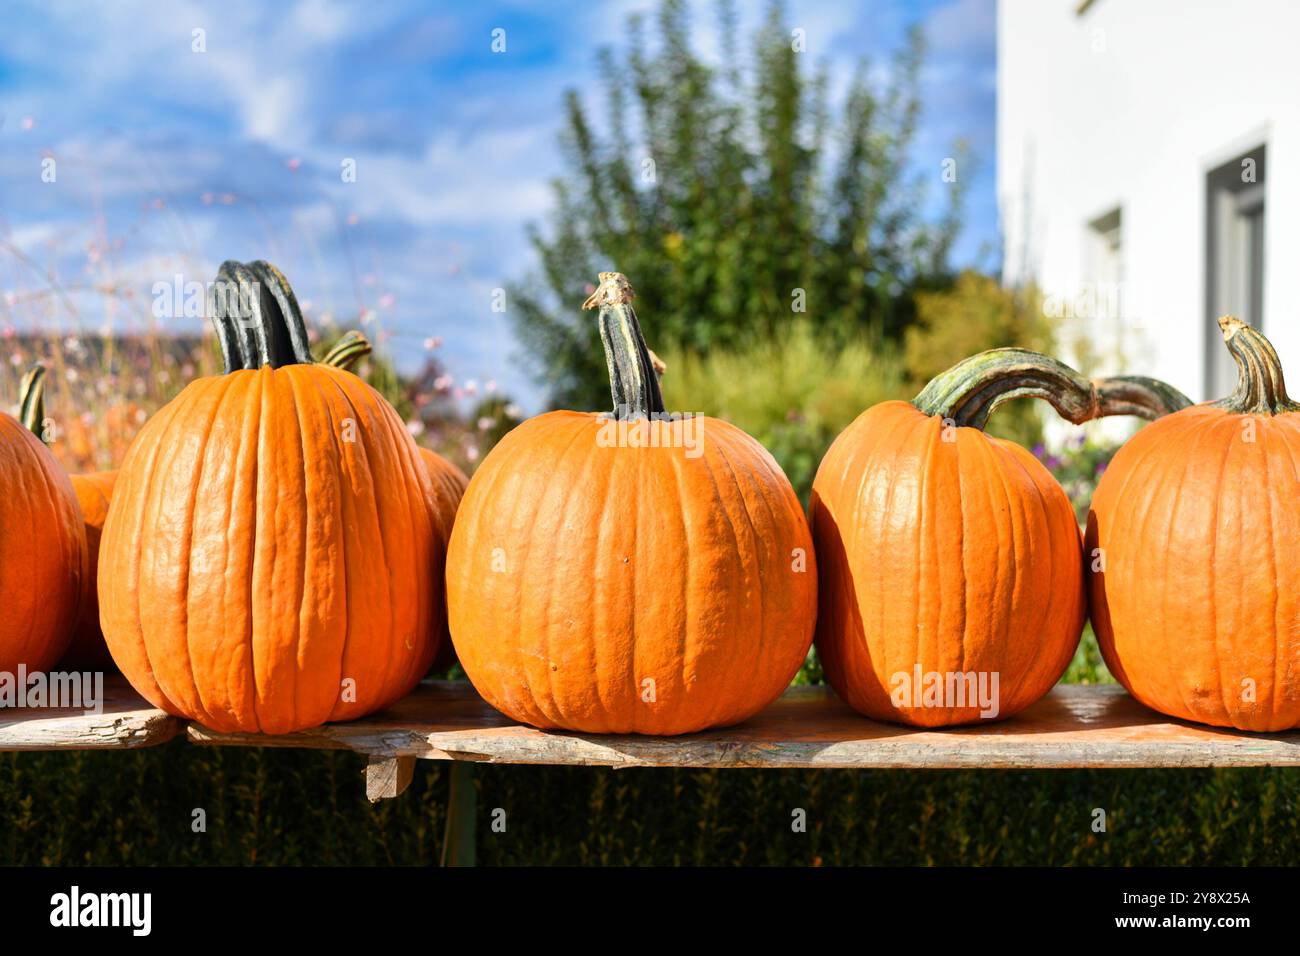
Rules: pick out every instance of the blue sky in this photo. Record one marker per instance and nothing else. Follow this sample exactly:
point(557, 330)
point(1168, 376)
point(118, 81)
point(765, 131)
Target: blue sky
point(168, 160)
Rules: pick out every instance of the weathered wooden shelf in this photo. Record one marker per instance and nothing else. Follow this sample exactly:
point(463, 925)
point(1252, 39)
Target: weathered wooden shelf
point(127, 721)
point(1074, 726)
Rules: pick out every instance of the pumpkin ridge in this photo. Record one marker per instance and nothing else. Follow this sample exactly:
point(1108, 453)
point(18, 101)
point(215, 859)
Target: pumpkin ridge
point(465, 535)
point(926, 546)
point(388, 442)
point(1042, 605)
point(830, 493)
point(549, 705)
point(365, 442)
point(1215, 546)
point(1274, 571)
point(243, 508)
point(721, 505)
point(759, 489)
point(1289, 441)
point(167, 450)
point(1145, 514)
point(991, 480)
point(1226, 469)
point(1045, 492)
point(346, 519)
point(908, 425)
point(559, 707)
point(301, 626)
point(385, 445)
point(226, 387)
point(685, 576)
point(754, 548)
point(1211, 621)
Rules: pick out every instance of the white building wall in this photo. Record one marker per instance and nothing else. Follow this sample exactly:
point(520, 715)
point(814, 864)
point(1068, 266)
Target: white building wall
point(1130, 104)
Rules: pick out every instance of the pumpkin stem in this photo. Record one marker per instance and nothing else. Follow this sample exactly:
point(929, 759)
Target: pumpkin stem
point(633, 382)
point(1138, 395)
point(969, 391)
point(31, 400)
point(1260, 388)
point(348, 351)
point(257, 317)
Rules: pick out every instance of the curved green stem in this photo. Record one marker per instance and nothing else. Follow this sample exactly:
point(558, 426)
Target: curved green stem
point(1138, 395)
point(1260, 389)
point(633, 383)
point(969, 391)
point(348, 351)
point(257, 317)
point(31, 401)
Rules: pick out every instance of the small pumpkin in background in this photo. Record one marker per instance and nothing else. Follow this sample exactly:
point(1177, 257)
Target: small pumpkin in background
point(448, 484)
point(86, 650)
point(42, 543)
point(950, 561)
point(269, 558)
point(1196, 594)
point(627, 573)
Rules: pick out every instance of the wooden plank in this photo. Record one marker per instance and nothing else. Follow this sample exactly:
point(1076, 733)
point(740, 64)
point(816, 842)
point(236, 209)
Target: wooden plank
point(127, 721)
point(1074, 726)
point(386, 777)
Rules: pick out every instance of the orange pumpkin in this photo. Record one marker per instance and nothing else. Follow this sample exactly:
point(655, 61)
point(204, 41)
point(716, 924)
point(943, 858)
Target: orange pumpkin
point(42, 543)
point(269, 559)
point(1195, 589)
point(87, 651)
point(628, 573)
point(951, 571)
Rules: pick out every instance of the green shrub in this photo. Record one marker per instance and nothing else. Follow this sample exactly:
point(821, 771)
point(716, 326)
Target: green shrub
point(974, 315)
point(794, 391)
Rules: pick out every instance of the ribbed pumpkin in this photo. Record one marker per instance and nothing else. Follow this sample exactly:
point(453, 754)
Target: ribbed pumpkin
point(269, 559)
point(626, 573)
point(448, 486)
point(42, 544)
point(951, 575)
point(1195, 585)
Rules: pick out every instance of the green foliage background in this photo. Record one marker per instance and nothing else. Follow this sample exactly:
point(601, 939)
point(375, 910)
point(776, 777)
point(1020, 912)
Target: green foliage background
point(721, 191)
point(269, 807)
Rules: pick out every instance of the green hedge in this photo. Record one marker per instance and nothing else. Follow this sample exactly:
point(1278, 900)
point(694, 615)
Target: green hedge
point(308, 807)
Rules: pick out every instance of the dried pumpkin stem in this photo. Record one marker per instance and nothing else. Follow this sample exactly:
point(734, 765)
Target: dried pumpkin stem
point(969, 391)
point(1138, 395)
point(1260, 389)
point(348, 351)
point(633, 383)
point(257, 317)
point(31, 400)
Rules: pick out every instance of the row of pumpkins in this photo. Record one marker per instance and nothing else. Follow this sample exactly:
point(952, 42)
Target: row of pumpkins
point(273, 547)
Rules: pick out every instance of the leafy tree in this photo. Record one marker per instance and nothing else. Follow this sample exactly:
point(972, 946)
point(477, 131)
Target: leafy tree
point(734, 198)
